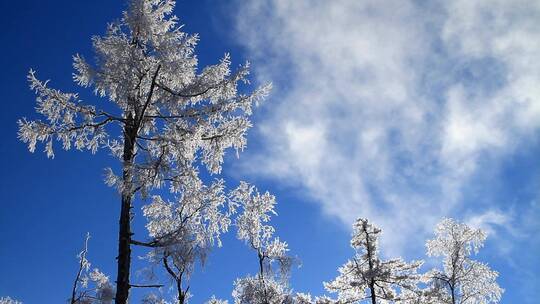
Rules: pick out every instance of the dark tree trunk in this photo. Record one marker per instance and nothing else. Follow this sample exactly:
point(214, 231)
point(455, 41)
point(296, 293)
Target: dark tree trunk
point(124, 235)
point(124, 252)
point(131, 129)
point(373, 297)
point(181, 294)
point(370, 263)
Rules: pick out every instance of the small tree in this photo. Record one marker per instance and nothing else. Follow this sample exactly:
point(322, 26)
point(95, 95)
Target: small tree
point(462, 280)
point(213, 300)
point(8, 300)
point(90, 287)
point(268, 287)
point(306, 298)
point(172, 117)
point(366, 276)
point(185, 230)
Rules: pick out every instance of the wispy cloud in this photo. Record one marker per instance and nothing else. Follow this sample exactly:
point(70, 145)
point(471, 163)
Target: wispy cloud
point(490, 220)
point(388, 109)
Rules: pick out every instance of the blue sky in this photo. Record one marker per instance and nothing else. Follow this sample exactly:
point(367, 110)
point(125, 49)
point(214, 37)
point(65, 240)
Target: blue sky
point(400, 111)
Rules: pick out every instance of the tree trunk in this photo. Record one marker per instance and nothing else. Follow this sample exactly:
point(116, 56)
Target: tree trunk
point(181, 295)
point(124, 235)
point(370, 263)
point(372, 289)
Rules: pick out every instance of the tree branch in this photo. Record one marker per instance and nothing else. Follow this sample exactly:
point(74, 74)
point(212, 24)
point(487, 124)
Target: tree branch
point(152, 244)
point(147, 286)
point(149, 98)
point(179, 94)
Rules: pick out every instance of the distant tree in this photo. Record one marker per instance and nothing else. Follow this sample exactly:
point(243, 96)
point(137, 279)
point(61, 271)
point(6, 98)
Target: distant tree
point(303, 298)
point(462, 280)
point(8, 300)
point(421, 296)
point(171, 116)
point(367, 277)
point(325, 300)
point(154, 299)
point(268, 287)
point(183, 231)
point(213, 300)
point(90, 287)
point(306, 298)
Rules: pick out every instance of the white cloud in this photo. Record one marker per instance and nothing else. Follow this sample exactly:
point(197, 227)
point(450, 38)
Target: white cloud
point(490, 221)
point(385, 109)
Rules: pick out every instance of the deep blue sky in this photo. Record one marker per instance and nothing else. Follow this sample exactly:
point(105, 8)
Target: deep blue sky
point(47, 206)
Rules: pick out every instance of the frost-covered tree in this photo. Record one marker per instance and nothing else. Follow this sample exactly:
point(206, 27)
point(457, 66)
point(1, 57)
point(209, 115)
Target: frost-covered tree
point(421, 296)
point(366, 276)
point(462, 280)
point(268, 287)
point(303, 298)
point(306, 298)
point(8, 300)
point(170, 116)
point(152, 298)
point(183, 231)
point(90, 286)
point(213, 300)
point(257, 290)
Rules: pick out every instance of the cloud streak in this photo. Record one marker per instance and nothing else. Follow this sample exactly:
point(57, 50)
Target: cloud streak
point(389, 109)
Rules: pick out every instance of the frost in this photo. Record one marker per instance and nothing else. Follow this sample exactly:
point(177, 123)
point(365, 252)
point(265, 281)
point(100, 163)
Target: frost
point(169, 118)
point(90, 287)
point(366, 276)
point(8, 300)
point(269, 286)
point(462, 280)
